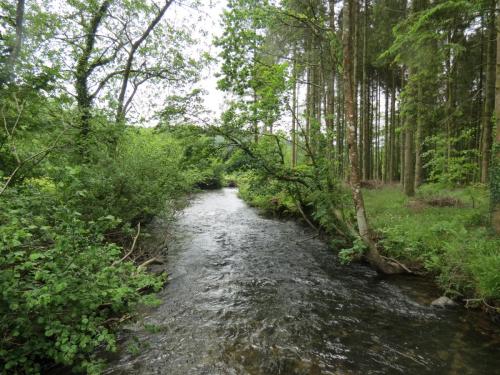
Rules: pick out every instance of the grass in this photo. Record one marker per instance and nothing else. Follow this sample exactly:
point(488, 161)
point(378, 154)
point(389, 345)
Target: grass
point(452, 242)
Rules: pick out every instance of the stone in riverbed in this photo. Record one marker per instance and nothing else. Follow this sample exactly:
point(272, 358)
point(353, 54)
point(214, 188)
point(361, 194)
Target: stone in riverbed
point(443, 302)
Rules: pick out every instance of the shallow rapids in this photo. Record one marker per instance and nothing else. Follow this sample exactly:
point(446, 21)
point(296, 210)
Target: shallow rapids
point(254, 295)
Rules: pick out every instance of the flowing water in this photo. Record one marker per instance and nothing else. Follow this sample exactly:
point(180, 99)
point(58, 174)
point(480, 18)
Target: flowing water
point(253, 295)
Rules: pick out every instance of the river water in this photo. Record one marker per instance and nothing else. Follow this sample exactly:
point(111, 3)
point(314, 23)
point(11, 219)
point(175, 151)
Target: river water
point(254, 295)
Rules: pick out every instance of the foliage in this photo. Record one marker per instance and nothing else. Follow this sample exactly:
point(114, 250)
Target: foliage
point(447, 163)
point(136, 181)
point(61, 222)
point(269, 195)
point(74, 178)
point(60, 287)
point(355, 252)
point(200, 158)
point(451, 242)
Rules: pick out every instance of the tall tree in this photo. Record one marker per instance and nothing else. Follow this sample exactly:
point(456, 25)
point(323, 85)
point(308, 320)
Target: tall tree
point(489, 97)
point(495, 175)
point(372, 255)
point(85, 65)
point(15, 48)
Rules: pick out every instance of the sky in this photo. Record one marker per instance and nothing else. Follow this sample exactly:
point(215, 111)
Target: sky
point(214, 100)
point(207, 27)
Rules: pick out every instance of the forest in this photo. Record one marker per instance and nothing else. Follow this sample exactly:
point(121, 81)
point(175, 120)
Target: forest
point(373, 123)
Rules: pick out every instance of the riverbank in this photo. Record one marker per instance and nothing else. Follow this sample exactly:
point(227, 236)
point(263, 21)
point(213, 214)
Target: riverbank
point(443, 232)
point(440, 233)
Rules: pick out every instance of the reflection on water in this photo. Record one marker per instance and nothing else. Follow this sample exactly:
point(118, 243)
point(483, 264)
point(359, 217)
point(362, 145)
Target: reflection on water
point(251, 295)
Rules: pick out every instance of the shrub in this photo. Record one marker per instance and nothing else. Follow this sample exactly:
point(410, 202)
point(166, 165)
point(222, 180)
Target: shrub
point(60, 287)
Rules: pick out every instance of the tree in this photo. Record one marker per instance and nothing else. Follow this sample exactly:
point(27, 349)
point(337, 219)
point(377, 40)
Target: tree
point(15, 48)
point(489, 97)
point(85, 65)
point(372, 254)
point(120, 112)
point(495, 173)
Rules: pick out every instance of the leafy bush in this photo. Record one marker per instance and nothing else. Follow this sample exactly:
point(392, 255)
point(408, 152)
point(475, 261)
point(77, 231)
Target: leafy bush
point(133, 183)
point(267, 194)
point(200, 158)
point(61, 288)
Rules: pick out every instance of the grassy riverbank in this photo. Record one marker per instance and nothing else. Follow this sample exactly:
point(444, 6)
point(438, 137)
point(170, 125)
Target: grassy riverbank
point(440, 232)
point(443, 231)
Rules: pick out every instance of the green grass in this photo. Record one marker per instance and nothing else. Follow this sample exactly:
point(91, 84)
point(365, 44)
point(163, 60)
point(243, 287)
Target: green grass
point(452, 242)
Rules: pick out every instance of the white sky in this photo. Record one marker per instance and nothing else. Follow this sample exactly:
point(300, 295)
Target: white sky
point(214, 100)
point(207, 26)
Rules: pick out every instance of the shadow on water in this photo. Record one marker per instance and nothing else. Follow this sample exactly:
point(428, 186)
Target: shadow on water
point(253, 295)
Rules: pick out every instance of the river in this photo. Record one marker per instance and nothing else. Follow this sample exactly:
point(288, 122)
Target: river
point(254, 295)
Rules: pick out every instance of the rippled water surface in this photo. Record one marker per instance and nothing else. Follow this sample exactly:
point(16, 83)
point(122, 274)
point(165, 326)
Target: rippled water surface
point(253, 295)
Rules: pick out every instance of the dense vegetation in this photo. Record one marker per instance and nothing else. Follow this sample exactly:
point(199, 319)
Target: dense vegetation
point(76, 183)
point(390, 99)
point(327, 97)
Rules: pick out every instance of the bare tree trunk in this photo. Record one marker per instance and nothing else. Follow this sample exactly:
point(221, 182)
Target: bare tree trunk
point(365, 144)
point(489, 99)
point(419, 139)
point(340, 128)
point(401, 150)
point(378, 164)
point(372, 255)
point(495, 170)
point(387, 141)
point(330, 98)
point(16, 48)
point(409, 172)
point(392, 132)
point(294, 109)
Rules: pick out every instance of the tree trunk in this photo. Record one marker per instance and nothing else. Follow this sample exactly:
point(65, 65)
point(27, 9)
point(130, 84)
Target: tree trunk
point(489, 98)
point(409, 160)
point(392, 132)
point(372, 255)
point(340, 128)
point(387, 141)
point(294, 109)
point(84, 69)
point(16, 48)
point(365, 138)
point(495, 171)
point(330, 99)
point(409, 174)
point(419, 139)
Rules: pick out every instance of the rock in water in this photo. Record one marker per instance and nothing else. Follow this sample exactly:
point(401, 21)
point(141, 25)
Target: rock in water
point(443, 302)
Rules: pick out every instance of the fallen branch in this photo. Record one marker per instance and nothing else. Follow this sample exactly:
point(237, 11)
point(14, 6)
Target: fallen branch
point(308, 238)
point(132, 248)
point(483, 301)
point(299, 207)
point(398, 263)
point(150, 261)
point(117, 320)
